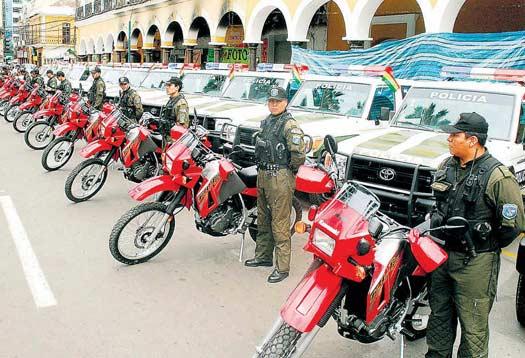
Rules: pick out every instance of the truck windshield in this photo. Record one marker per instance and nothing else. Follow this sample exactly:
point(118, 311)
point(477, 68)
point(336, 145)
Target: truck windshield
point(253, 88)
point(347, 99)
point(203, 83)
point(431, 108)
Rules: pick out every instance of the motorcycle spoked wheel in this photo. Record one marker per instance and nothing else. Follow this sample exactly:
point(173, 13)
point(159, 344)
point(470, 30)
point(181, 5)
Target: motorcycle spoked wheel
point(130, 233)
point(3, 107)
point(11, 113)
point(22, 121)
point(282, 343)
point(297, 215)
point(82, 183)
point(520, 300)
point(57, 153)
point(39, 135)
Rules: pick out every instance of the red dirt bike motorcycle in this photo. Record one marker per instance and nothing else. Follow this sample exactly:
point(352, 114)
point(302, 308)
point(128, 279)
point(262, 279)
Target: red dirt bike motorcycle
point(21, 93)
point(39, 133)
point(138, 148)
point(26, 110)
point(222, 195)
point(80, 123)
point(8, 91)
point(368, 274)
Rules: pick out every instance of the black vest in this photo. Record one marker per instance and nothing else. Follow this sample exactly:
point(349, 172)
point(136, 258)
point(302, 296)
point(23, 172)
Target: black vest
point(126, 103)
point(466, 197)
point(271, 147)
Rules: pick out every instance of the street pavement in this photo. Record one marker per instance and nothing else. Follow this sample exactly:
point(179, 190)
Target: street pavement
point(193, 300)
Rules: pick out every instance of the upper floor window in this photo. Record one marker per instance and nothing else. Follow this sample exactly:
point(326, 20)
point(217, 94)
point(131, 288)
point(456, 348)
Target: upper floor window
point(66, 33)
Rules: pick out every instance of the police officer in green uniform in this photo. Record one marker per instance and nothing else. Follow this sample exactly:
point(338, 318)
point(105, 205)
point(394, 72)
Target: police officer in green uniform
point(24, 75)
point(279, 152)
point(474, 185)
point(176, 111)
point(129, 102)
point(36, 78)
point(65, 85)
point(97, 91)
point(52, 83)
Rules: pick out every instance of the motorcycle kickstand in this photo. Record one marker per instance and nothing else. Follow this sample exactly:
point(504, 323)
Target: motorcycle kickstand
point(241, 251)
point(402, 352)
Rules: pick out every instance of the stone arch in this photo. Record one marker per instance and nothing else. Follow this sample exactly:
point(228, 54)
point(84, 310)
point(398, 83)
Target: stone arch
point(122, 41)
point(90, 49)
point(174, 34)
point(136, 37)
point(258, 18)
point(306, 11)
point(364, 11)
point(82, 51)
point(109, 45)
point(195, 29)
point(227, 19)
point(150, 35)
point(99, 47)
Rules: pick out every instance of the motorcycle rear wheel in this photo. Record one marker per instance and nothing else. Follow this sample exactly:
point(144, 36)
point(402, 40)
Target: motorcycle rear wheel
point(117, 241)
point(39, 135)
point(57, 153)
point(297, 215)
point(520, 300)
point(90, 189)
point(282, 343)
point(11, 113)
point(22, 121)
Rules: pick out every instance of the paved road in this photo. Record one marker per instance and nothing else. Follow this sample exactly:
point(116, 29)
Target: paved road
point(193, 300)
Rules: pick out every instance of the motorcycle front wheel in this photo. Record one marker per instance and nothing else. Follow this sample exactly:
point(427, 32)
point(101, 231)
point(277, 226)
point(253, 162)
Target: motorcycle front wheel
point(57, 153)
point(130, 240)
point(3, 107)
point(296, 215)
point(86, 180)
point(11, 113)
point(22, 121)
point(520, 300)
point(282, 343)
point(39, 135)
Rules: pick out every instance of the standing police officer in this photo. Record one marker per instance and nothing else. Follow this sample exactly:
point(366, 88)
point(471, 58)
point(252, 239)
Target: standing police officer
point(51, 85)
point(65, 85)
point(97, 91)
point(130, 102)
point(474, 185)
point(279, 152)
point(176, 111)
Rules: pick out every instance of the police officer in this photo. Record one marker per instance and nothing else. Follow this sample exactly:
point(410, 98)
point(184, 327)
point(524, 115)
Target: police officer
point(36, 78)
point(22, 74)
point(65, 85)
point(52, 83)
point(279, 152)
point(474, 185)
point(97, 91)
point(129, 102)
point(176, 111)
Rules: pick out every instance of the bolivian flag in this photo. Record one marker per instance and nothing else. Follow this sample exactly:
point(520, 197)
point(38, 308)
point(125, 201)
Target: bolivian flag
point(231, 73)
point(181, 71)
point(389, 79)
point(296, 73)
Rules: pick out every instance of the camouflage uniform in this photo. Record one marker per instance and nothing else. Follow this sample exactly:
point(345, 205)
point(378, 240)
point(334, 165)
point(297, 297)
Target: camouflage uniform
point(279, 153)
point(464, 288)
point(131, 104)
point(65, 88)
point(38, 79)
point(97, 93)
point(176, 111)
point(52, 84)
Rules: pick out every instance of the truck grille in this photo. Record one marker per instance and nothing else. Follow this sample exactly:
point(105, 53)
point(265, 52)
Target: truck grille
point(210, 122)
point(245, 135)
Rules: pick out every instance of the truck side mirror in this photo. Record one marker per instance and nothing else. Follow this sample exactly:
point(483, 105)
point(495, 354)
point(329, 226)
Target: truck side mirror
point(385, 114)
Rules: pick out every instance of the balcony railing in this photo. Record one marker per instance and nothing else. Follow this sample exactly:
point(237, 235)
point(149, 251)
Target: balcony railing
point(98, 7)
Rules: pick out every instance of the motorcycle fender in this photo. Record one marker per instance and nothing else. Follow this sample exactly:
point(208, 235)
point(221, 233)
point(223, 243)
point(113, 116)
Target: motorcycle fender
point(153, 186)
point(63, 129)
point(95, 147)
point(43, 113)
point(25, 106)
point(520, 260)
point(310, 300)
point(313, 180)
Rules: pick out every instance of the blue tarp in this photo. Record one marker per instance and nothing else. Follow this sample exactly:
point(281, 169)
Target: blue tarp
point(421, 57)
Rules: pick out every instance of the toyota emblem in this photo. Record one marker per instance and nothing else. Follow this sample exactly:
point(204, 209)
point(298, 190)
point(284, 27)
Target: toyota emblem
point(387, 174)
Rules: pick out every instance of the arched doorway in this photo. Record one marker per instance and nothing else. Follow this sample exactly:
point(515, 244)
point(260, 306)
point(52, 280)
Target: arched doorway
point(230, 32)
point(326, 28)
point(174, 42)
point(394, 20)
point(137, 53)
point(122, 47)
point(491, 16)
point(199, 36)
point(275, 47)
point(151, 48)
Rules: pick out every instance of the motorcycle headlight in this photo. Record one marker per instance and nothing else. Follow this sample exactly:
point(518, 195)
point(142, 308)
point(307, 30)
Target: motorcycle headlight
point(228, 132)
point(323, 242)
point(341, 162)
point(316, 143)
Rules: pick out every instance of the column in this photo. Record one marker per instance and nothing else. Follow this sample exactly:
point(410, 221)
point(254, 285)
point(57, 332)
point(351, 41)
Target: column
point(165, 55)
point(188, 56)
point(252, 57)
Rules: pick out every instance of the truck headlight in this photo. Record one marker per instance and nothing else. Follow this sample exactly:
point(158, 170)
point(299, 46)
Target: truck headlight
point(323, 242)
point(220, 122)
point(228, 132)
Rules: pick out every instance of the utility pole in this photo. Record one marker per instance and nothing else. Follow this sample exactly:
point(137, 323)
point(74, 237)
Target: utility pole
point(129, 38)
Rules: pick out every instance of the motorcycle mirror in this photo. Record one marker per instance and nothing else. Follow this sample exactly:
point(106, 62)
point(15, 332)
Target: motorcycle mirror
point(308, 143)
point(330, 144)
point(459, 224)
point(375, 227)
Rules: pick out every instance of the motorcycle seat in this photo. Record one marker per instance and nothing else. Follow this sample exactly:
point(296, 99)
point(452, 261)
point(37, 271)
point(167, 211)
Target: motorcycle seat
point(249, 176)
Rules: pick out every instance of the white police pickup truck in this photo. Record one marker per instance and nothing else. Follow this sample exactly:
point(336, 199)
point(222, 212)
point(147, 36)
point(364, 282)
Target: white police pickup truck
point(398, 162)
point(343, 106)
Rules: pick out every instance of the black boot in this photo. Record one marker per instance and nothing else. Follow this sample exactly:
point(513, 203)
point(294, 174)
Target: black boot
point(277, 276)
point(258, 262)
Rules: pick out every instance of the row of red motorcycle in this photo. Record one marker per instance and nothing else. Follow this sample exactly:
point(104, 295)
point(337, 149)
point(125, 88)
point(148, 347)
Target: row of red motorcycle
point(368, 271)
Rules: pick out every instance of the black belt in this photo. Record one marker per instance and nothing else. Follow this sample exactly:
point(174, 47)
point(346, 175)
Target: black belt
point(271, 167)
